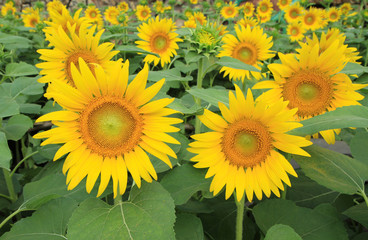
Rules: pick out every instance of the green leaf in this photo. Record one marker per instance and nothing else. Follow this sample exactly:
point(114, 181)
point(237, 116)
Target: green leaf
point(307, 193)
point(361, 236)
point(358, 213)
point(50, 106)
point(26, 86)
point(17, 126)
point(5, 154)
point(149, 214)
point(14, 42)
point(8, 105)
point(29, 108)
point(237, 64)
point(282, 232)
point(49, 222)
point(185, 68)
point(178, 105)
point(358, 147)
point(188, 227)
point(211, 95)
point(318, 224)
point(184, 181)
point(133, 49)
point(20, 69)
point(333, 170)
point(344, 117)
point(354, 68)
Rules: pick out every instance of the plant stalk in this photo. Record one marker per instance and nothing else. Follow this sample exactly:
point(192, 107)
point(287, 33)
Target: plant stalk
point(239, 218)
point(197, 99)
point(9, 185)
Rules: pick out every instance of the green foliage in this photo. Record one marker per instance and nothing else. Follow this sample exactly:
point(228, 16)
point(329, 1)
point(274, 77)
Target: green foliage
point(282, 232)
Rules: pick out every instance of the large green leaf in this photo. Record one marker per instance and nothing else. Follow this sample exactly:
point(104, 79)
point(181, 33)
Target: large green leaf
point(49, 222)
point(17, 126)
point(20, 69)
point(349, 116)
point(318, 224)
point(358, 147)
point(359, 213)
point(8, 105)
point(333, 170)
point(184, 181)
point(5, 154)
point(354, 68)
point(188, 227)
point(211, 95)
point(26, 86)
point(282, 232)
point(237, 64)
point(132, 49)
point(149, 214)
point(14, 42)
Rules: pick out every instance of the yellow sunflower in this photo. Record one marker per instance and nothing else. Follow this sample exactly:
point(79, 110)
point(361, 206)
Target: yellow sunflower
point(143, 12)
point(242, 150)
point(158, 36)
point(108, 126)
point(198, 17)
point(55, 5)
point(31, 20)
point(345, 9)
point(123, 7)
point(294, 12)
point(333, 14)
point(295, 31)
point(159, 6)
point(312, 19)
point(250, 45)
point(93, 16)
point(29, 10)
point(310, 81)
point(68, 49)
point(326, 41)
point(193, 1)
point(248, 9)
point(229, 11)
point(251, 22)
point(283, 4)
point(8, 8)
point(264, 18)
point(264, 8)
point(111, 15)
point(191, 23)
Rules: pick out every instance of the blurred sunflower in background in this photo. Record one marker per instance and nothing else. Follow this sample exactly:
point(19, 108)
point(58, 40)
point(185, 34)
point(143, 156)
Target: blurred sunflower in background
point(143, 12)
point(31, 20)
point(111, 15)
point(94, 16)
point(264, 8)
point(229, 11)
point(296, 31)
point(251, 22)
point(8, 8)
point(123, 7)
point(248, 9)
point(333, 14)
point(294, 12)
point(313, 19)
point(283, 4)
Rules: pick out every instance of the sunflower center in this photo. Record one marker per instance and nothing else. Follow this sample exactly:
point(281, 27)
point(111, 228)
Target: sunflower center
point(230, 11)
point(246, 143)
point(333, 16)
point(264, 8)
point(33, 22)
point(246, 53)
point(309, 19)
point(144, 13)
point(294, 31)
point(247, 10)
point(206, 38)
point(111, 126)
point(310, 91)
point(93, 14)
point(294, 13)
point(87, 56)
point(159, 43)
point(284, 2)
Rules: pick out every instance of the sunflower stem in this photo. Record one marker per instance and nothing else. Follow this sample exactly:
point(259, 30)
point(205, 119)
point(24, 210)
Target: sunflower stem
point(283, 193)
point(9, 185)
point(362, 193)
point(10, 217)
point(197, 99)
point(118, 200)
point(18, 165)
point(239, 218)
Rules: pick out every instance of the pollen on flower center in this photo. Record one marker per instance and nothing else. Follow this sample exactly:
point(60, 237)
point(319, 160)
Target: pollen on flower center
point(294, 31)
point(246, 53)
point(87, 56)
point(264, 8)
point(294, 14)
point(310, 91)
point(111, 126)
point(246, 143)
point(159, 43)
point(309, 19)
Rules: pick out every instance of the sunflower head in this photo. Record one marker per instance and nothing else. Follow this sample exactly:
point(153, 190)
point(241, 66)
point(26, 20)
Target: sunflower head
point(229, 11)
point(251, 22)
point(123, 19)
point(143, 12)
point(294, 12)
point(219, 4)
point(55, 5)
point(295, 31)
point(8, 9)
point(159, 6)
point(345, 8)
point(283, 4)
point(31, 20)
point(123, 7)
point(265, 8)
point(241, 151)
point(111, 15)
point(333, 14)
point(199, 18)
point(248, 9)
point(313, 19)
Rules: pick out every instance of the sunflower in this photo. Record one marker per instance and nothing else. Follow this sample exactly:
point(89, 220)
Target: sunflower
point(29, 10)
point(251, 22)
point(111, 15)
point(159, 6)
point(242, 150)
point(250, 45)
point(198, 17)
point(326, 41)
point(294, 12)
point(143, 12)
point(333, 14)
point(158, 36)
point(31, 20)
point(229, 11)
point(123, 7)
point(55, 5)
point(283, 4)
point(310, 81)
point(264, 18)
point(264, 8)
point(108, 126)
point(8, 8)
point(295, 31)
point(68, 49)
point(191, 23)
point(193, 2)
point(345, 9)
point(93, 16)
point(312, 19)
point(248, 9)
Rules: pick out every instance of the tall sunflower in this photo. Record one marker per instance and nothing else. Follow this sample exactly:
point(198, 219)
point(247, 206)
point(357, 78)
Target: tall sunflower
point(250, 45)
point(198, 17)
point(333, 14)
point(313, 19)
point(283, 4)
point(55, 5)
point(111, 15)
point(8, 8)
point(158, 36)
point(251, 22)
point(31, 20)
point(248, 9)
point(108, 126)
point(143, 12)
point(296, 31)
point(68, 49)
point(242, 150)
point(310, 81)
point(264, 8)
point(93, 16)
point(123, 7)
point(229, 11)
point(293, 12)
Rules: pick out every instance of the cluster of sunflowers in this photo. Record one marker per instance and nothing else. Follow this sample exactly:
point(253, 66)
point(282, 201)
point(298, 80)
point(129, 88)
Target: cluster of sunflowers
point(111, 123)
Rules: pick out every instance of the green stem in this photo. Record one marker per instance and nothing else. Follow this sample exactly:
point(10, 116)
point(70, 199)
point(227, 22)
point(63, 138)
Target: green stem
point(4, 196)
point(197, 99)
point(10, 186)
point(18, 165)
point(239, 218)
point(283, 193)
point(118, 200)
point(362, 193)
point(10, 217)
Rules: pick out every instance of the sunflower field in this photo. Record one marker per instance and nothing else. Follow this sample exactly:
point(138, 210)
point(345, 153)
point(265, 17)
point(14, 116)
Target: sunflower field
point(184, 119)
